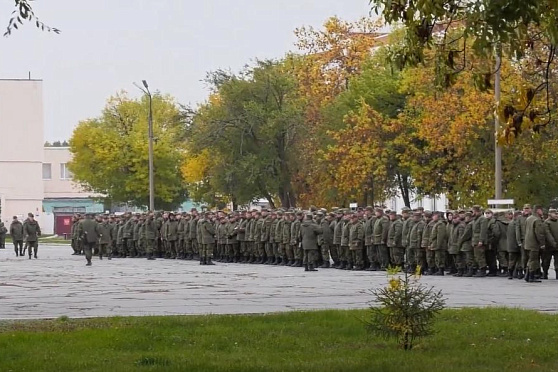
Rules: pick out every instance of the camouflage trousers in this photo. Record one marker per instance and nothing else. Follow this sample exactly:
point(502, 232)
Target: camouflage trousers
point(344, 253)
point(547, 256)
point(382, 255)
point(280, 251)
point(440, 258)
point(172, 248)
point(372, 255)
point(534, 262)
point(420, 257)
point(357, 258)
point(325, 248)
point(298, 252)
point(88, 249)
point(150, 246)
point(480, 257)
point(232, 250)
point(334, 252)
point(310, 256)
point(491, 261)
point(105, 250)
point(410, 258)
point(515, 261)
point(181, 247)
point(261, 249)
point(503, 261)
point(269, 249)
point(207, 251)
point(290, 249)
point(397, 256)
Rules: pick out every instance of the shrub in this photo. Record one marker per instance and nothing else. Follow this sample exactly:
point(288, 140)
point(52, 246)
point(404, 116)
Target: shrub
point(404, 309)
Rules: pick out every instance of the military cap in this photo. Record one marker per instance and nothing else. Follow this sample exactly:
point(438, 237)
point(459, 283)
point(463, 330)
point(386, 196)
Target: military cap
point(477, 207)
point(319, 213)
point(438, 213)
point(417, 213)
point(280, 212)
point(468, 214)
point(420, 209)
point(379, 209)
point(393, 213)
point(527, 206)
point(299, 213)
point(427, 213)
point(332, 214)
point(461, 211)
point(488, 211)
point(448, 212)
point(405, 209)
point(369, 208)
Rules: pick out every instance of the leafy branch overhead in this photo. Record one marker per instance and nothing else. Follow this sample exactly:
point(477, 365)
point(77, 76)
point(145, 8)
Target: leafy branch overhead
point(525, 31)
point(24, 12)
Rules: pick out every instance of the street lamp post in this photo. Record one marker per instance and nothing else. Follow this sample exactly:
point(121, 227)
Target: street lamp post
point(150, 141)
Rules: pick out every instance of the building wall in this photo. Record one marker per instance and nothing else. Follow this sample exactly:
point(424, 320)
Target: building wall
point(21, 147)
point(60, 185)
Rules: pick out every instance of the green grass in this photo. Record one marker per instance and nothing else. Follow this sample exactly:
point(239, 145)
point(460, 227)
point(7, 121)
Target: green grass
point(466, 340)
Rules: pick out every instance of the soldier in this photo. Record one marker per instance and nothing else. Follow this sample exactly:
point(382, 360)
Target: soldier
point(454, 250)
point(193, 246)
point(134, 247)
point(288, 257)
point(113, 234)
point(16, 232)
point(494, 234)
point(415, 238)
point(241, 236)
point(73, 234)
point(250, 239)
point(272, 242)
point(480, 240)
point(520, 233)
point(127, 235)
point(408, 224)
point(151, 233)
point(105, 238)
point(31, 233)
point(371, 256)
point(327, 240)
point(466, 245)
point(141, 240)
point(88, 231)
point(345, 242)
point(356, 240)
point(395, 240)
point(337, 225)
point(535, 236)
point(279, 248)
point(381, 229)
point(551, 248)
point(308, 234)
point(450, 265)
point(265, 237)
point(221, 235)
point(425, 243)
point(182, 223)
point(295, 239)
point(515, 268)
point(438, 244)
point(501, 245)
point(119, 237)
point(233, 246)
point(207, 230)
point(3, 232)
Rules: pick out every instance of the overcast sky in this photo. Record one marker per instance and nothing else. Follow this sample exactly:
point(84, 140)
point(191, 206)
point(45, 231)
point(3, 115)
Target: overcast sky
point(106, 45)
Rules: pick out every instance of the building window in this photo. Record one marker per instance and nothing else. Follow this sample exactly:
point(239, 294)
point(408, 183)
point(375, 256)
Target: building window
point(47, 171)
point(65, 173)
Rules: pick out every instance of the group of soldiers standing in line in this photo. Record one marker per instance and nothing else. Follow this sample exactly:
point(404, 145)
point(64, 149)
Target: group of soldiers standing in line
point(464, 243)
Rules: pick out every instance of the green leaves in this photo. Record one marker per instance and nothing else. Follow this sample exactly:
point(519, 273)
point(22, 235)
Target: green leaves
point(110, 153)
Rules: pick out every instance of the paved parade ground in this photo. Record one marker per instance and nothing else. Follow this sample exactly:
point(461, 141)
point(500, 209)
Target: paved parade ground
point(59, 284)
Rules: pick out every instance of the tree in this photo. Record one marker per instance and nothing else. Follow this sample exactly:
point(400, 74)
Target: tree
point(329, 58)
point(525, 31)
point(110, 153)
point(248, 127)
point(24, 12)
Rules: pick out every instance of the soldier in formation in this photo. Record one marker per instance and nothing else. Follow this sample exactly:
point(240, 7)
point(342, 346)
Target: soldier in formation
point(464, 243)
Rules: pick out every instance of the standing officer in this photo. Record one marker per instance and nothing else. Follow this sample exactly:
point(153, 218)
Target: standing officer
point(89, 234)
point(31, 233)
point(309, 232)
point(16, 232)
point(534, 243)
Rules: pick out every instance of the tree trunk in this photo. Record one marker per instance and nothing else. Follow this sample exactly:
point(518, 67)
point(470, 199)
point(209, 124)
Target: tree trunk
point(403, 182)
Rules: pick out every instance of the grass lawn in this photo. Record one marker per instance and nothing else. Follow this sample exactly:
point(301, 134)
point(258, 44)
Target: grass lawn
point(466, 340)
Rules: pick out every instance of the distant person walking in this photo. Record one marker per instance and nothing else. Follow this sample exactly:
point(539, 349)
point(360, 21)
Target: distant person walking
point(16, 232)
point(31, 233)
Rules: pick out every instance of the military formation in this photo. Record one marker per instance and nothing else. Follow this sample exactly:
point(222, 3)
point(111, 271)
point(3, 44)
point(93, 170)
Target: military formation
point(464, 243)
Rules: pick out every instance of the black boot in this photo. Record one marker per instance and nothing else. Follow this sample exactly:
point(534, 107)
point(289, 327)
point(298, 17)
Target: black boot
point(504, 272)
point(311, 267)
point(440, 272)
point(202, 261)
point(533, 279)
point(208, 262)
point(520, 274)
point(545, 274)
point(17, 252)
point(459, 273)
point(88, 263)
point(481, 273)
point(510, 274)
point(306, 268)
point(526, 277)
point(341, 265)
point(469, 273)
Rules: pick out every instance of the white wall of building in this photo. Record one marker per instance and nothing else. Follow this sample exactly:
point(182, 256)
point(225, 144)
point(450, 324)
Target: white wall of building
point(60, 184)
point(21, 147)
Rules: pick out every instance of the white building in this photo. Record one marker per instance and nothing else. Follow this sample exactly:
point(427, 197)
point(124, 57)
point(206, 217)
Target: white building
point(21, 148)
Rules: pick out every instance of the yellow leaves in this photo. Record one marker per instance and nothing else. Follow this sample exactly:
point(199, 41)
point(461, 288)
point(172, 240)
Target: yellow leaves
point(196, 168)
